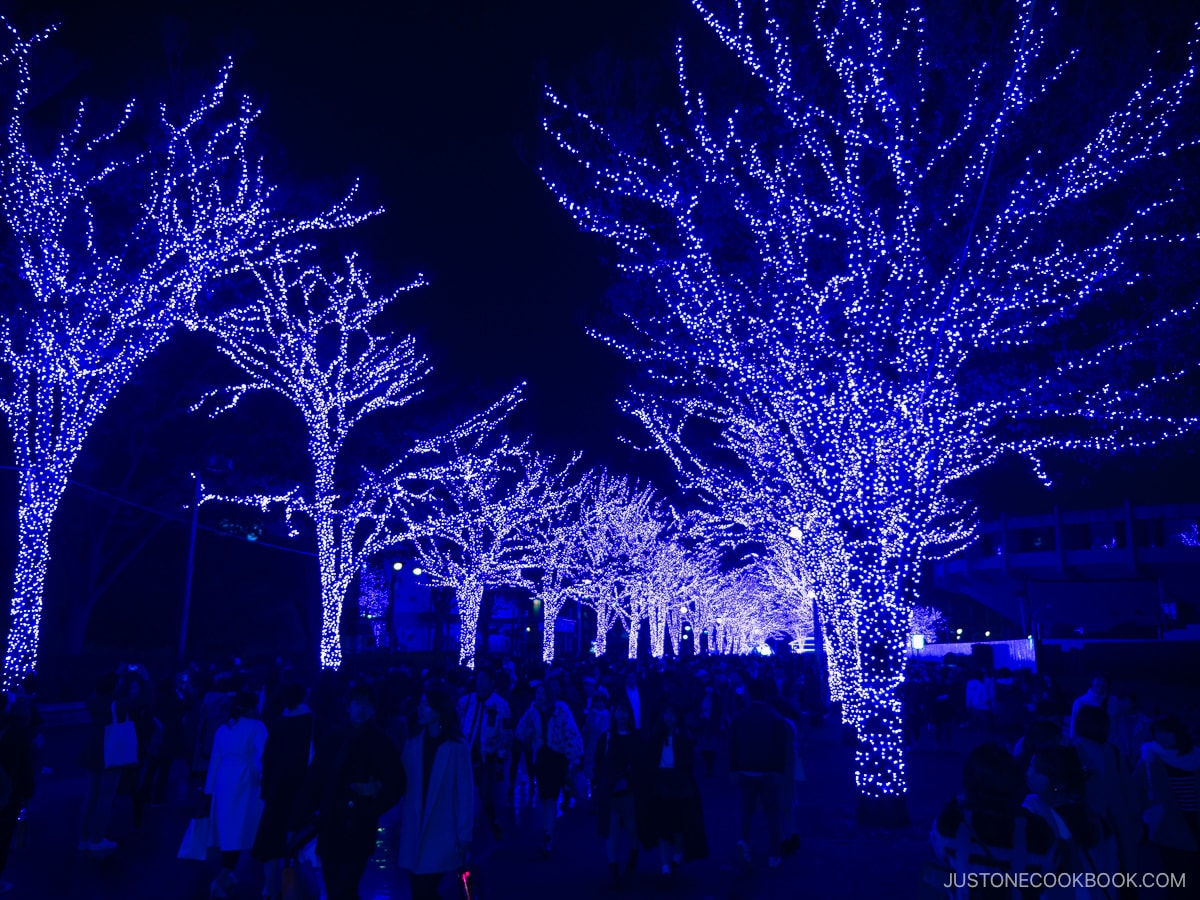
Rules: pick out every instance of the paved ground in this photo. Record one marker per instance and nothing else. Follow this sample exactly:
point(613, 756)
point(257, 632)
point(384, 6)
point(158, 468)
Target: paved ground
point(837, 859)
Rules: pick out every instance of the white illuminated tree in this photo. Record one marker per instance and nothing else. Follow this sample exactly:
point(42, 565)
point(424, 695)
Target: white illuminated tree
point(477, 521)
point(556, 547)
point(311, 338)
point(928, 622)
point(622, 525)
point(114, 238)
point(865, 259)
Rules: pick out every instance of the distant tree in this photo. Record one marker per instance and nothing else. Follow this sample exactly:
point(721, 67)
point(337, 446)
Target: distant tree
point(475, 521)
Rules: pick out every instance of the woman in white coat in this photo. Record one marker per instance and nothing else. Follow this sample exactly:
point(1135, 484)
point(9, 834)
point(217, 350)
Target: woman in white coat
point(234, 781)
point(439, 804)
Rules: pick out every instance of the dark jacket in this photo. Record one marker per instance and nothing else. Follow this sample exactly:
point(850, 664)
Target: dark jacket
point(285, 766)
point(759, 741)
point(360, 754)
point(618, 771)
point(673, 804)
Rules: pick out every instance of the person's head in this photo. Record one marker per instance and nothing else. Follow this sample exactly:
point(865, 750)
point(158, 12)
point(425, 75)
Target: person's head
point(484, 685)
point(362, 705)
point(631, 681)
point(992, 779)
point(1091, 722)
point(244, 704)
point(622, 714)
point(543, 697)
point(670, 718)
point(760, 690)
point(107, 683)
point(292, 695)
point(1055, 769)
point(1171, 734)
point(437, 712)
point(1100, 685)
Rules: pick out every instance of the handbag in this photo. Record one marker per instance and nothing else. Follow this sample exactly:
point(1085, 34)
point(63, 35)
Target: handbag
point(196, 840)
point(120, 742)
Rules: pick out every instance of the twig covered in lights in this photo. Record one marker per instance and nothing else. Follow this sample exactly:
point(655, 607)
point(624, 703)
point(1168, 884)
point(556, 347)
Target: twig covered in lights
point(113, 242)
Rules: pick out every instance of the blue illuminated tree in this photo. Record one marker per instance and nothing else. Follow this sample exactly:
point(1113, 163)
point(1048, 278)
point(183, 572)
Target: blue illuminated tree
point(114, 240)
point(309, 337)
point(881, 271)
point(476, 517)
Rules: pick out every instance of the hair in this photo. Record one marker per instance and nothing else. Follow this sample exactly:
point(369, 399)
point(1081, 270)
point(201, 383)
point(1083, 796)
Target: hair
point(1064, 768)
point(1092, 722)
point(444, 706)
point(1061, 764)
point(992, 780)
point(291, 695)
point(1174, 725)
point(621, 702)
point(362, 692)
point(758, 689)
point(243, 704)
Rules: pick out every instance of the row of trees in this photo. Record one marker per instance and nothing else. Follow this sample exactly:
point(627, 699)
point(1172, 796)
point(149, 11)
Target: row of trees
point(123, 237)
point(873, 264)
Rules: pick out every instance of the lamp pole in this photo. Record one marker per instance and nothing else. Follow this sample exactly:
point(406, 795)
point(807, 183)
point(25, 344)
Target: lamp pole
point(191, 560)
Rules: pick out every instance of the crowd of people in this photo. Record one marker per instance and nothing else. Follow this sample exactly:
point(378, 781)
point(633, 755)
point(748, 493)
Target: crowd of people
point(1101, 790)
point(291, 767)
point(284, 766)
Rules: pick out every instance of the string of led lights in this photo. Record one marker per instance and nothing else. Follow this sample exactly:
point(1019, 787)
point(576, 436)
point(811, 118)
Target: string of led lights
point(836, 254)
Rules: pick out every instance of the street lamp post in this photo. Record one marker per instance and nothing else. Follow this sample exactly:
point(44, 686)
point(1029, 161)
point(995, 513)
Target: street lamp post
point(191, 560)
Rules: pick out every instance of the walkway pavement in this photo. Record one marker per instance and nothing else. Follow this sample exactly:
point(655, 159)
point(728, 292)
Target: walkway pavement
point(837, 859)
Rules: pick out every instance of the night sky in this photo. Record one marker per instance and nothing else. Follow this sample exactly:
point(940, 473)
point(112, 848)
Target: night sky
point(435, 106)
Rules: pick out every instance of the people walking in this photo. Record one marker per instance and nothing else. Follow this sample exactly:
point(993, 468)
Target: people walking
point(16, 762)
point(486, 723)
point(439, 803)
point(104, 708)
point(616, 791)
point(675, 808)
point(549, 729)
point(287, 756)
point(234, 782)
point(759, 747)
point(358, 776)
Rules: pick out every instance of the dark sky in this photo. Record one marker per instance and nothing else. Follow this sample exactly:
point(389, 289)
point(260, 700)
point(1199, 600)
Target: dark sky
point(435, 107)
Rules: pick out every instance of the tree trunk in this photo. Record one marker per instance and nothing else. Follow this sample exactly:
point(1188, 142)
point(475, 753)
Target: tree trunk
point(551, 607)
point(333, 593)
point(40, 493)
point(882, 619)
point(470, 597)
